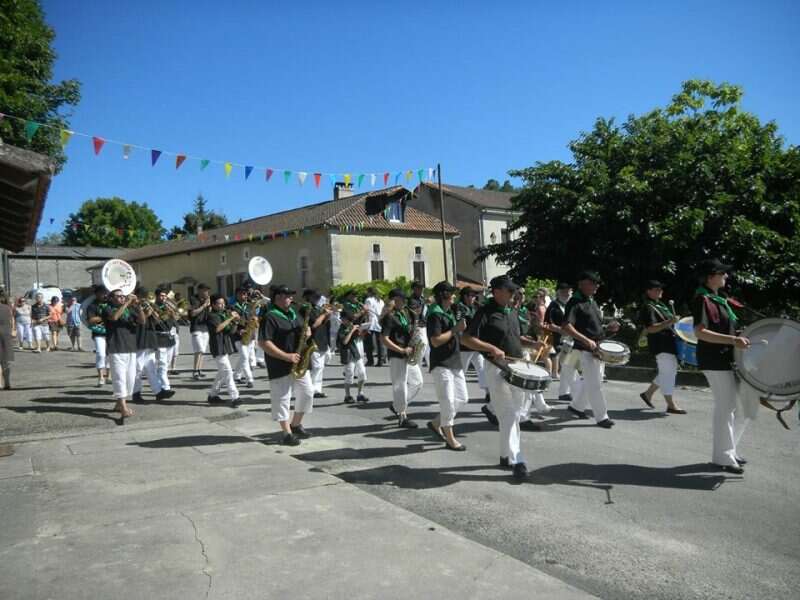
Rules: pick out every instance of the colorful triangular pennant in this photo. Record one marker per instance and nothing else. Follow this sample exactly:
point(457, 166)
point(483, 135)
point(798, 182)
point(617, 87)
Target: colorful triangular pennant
point(228, 168)
point(301, 177)
point(179, 160)
point(247, 171)
point(317, 177)
point(154, 156)
point(286, 175)
point(204, 163)
point(269, 173)
point(65, 135)
point(98, 144)
point(30, 129)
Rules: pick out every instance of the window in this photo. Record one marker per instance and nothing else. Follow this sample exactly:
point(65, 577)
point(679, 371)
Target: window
point(303, 271)
point(240, 279)
point(419, 271)
point(493, 237)
point(376, 249)
point(190, 291)
point(394, 212)
point(504, 236)
point(223, 258)
point(246, 253)
point(417, 250)
point(228, 286)
point(221, 284)
point(376, 269)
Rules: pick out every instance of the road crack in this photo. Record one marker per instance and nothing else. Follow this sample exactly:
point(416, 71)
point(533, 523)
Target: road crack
point(206, 570)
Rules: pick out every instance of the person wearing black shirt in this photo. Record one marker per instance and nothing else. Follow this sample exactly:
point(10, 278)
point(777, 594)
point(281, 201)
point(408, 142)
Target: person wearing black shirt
point(146, 351)
point(94, 317)
point(467, 307)
point(321, 330)
point(122, 319)
point(715, 324)
point(40, 313)
point(279, 336)
point(584, 323)
point(199, 307)
point(397, 327)
point(554, 318)
point(221, 333)
point(658, 319)
point(350, 356)
point(246, 311)
point(494, 330)
point(451, 386)
point(165, 321)
point(359, 311)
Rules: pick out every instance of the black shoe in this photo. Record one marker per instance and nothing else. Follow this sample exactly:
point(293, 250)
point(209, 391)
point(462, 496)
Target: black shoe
point(362, 398)
point(606, 424)
point(579, 414)
point(196, 375)
point(488, 398)
point(215, 400)
point(137, 397)
point(461, 448)
point(173, 372)
point(528, 425)
point(520, 471)
point(380, 363)
point(405, 423)
point(349, 400)
point(236, 403)
point(490, 416)
point(437, 432)
point(732, 469)
point(504, 464)
point(565, 397)
point(250, 384)
point(289, 439)
point(201, 374)
point(369, 364)
point(164, 394)
point(300, 431)
point(319, 395)
point(676, 411)
point(391, 408)
point(646, 400)
point(740, 460)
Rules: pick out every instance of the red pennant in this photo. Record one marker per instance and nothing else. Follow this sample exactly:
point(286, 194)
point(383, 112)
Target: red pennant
point(385, 179)
point(317, 177)
point(237, 237)
point(98, 144)
point(179, 160)
point(269, 173)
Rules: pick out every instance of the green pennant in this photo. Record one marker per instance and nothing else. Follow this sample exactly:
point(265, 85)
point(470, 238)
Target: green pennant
point(204, 163)
point(30, 129)
point(286, 176)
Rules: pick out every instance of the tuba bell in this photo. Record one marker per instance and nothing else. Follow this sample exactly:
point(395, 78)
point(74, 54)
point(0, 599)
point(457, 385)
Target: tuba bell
point(118, 275)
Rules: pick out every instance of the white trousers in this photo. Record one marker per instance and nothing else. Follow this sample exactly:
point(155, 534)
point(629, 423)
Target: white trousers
point(667, 372)
point(162, 366)
point(41, 333)
point(224, 379)
point(247, 358)
point(281, 390)
point(477, 360)
point(174, 351)
point(100, 360)
point(591, 393)
point(728, 424)
point(406, 382)
point(355, 371)
point(510, 405)
point(569, 373)
point(147, 366)
point(317, 369)
point(123, 374)
point(426, 353)
point(536, 402)
point(199, 342)
point(24, 333)
point(451, 390)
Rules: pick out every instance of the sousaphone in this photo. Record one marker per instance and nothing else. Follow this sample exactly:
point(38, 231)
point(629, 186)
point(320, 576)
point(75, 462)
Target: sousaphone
point(259, 270)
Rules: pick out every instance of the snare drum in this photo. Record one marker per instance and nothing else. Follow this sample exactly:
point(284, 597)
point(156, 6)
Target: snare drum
point(771, 364)
point(686, 341)
point(613, 352)
point(527, 376)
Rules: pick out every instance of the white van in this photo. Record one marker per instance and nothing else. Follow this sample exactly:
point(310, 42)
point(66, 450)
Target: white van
point(47, 292)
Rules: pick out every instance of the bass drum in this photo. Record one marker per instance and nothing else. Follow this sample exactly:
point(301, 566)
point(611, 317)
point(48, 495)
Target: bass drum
point(686, 341)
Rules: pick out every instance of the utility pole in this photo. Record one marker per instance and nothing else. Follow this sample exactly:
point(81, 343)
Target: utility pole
point(36, 256)
point(441, 218)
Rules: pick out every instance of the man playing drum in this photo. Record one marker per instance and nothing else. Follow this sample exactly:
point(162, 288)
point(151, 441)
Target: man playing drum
point(584, 323)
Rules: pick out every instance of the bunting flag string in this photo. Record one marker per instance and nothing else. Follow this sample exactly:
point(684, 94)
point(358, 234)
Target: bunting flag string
point(32, 128)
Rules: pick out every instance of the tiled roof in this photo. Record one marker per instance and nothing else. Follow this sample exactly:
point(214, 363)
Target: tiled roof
point(476, 197)
point(70, 252)
point(363, 208)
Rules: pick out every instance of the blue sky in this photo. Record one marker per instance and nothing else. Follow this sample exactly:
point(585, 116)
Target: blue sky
point(482, 87)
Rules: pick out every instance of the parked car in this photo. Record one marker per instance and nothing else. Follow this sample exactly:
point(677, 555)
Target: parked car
point(48, 291)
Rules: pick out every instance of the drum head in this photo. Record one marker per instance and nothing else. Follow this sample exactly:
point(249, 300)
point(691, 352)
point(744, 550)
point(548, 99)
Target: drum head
point(684, 329)
point(613, 347)
point(528, 370)
point(772, 363)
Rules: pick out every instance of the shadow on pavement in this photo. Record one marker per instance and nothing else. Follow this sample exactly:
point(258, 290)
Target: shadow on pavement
point(193, 440)
point(97, 413)
point(362, 453)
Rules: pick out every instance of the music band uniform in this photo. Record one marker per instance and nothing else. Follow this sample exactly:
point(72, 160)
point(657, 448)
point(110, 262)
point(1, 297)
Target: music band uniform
point(355, 371)
point(222, 345)
point(397, 326)
point(121, 346)
point(445, 363)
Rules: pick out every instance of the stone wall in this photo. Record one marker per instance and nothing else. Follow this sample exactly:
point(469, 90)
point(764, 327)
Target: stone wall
point(59, 272)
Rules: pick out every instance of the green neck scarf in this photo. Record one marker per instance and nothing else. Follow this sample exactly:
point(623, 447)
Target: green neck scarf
point(506, 309)
point(282, 315)
point(436, 309)
point(401, 316)
point(704, 291)
point(661, 307)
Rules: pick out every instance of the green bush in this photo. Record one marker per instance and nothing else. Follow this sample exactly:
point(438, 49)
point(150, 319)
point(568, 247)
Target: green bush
point(382, 287)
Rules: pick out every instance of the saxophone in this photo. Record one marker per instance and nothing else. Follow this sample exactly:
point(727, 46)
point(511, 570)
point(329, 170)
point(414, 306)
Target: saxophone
point(256, 300)
point(417, 343)
point(305, 349)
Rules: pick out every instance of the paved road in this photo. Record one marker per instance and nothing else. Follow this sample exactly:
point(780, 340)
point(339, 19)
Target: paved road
point(634, 512)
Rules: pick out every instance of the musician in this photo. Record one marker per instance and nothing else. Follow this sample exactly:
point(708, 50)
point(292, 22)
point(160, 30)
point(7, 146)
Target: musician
point(350, 356)
point(147, 346)
point(320, 323)
point(280, 335)
point(222, 326)
point(175, 350)
point(199, 307)
point(121, 320)
point(554, 318)
point(359, 315)
point(466, 307)
point(246, 311)
point(40, 313)
point(397, 327)
point(584, 323)
point(494, 330)
point(715, 324)
point(444, 329)
point(532, 328)
point(165, 320)
point(658, 320)
point(94, 317)
point(418, 300)
point(372, 340)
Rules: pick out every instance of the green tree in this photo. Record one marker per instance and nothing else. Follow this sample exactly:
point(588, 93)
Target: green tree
point(51, 239)
point(26, 68)
point(494, 186)
point(112, 223)
point(650, 198)
point(199, 216)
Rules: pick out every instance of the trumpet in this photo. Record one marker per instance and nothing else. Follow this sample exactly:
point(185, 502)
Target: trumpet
point(333, 307)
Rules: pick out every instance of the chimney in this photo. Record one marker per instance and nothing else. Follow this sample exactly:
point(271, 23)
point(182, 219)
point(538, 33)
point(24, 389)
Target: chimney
point(342, 190)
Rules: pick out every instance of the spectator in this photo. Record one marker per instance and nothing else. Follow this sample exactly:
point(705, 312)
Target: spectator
point(22, 317)
point(74, 324)
point(55, 321)
point(40, 313)
point(372, 342)
point(6, 341)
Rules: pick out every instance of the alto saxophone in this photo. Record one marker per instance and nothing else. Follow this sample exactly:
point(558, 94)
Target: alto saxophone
point(305, 349)
point(417, 343)
point(252, 324)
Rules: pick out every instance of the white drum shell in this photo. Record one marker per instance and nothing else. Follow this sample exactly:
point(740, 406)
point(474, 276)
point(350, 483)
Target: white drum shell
point(771, 365)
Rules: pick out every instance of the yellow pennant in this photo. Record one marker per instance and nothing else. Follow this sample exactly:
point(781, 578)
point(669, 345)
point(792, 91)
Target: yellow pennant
point(347, 178)
point(228, 169)
point(409, 175)
point(65, 135)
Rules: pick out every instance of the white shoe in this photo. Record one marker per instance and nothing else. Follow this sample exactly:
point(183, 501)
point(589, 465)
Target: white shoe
point(100, 383)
